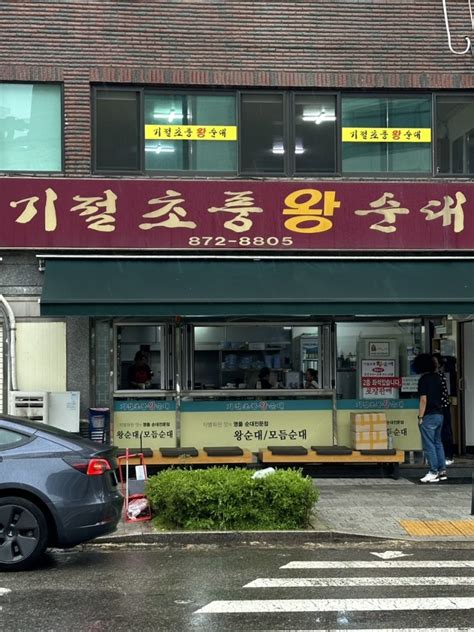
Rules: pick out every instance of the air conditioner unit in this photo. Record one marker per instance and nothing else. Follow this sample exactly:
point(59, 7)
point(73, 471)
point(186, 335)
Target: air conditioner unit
point(32, 406)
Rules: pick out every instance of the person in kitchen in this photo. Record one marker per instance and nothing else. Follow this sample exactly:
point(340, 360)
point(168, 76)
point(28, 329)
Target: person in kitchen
point(311, 379)
point(139, 373)
point(264, 378)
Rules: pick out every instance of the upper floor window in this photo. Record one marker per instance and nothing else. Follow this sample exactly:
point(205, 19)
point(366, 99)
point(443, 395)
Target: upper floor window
point(273, 143)
point(190, 132)
point(30, 127)
point(386, 134)
point(178, 132)
point(455, 135)
point(117, 120)
point(281, 133)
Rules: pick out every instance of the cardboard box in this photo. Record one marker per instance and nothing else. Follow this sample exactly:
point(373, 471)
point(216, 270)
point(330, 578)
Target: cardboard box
point(367, 419)
point(370, 440)
point(382, 445)
point(380, 427)
point(370, 436)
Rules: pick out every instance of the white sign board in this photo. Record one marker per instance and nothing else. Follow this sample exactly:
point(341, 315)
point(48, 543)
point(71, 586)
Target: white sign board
point(410, 384)
point(379, 373)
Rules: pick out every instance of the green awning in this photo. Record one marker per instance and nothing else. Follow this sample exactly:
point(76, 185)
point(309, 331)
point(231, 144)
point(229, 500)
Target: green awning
point(195, 288)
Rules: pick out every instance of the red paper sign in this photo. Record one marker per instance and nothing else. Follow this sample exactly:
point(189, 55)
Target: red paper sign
point(386, 382)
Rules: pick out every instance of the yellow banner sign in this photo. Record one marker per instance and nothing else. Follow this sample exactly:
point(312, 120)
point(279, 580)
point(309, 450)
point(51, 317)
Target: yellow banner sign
point(256, 424)
point(190, 132)
point(386, 135)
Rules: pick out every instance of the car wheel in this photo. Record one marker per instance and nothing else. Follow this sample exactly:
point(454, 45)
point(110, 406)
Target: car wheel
point(23, 533)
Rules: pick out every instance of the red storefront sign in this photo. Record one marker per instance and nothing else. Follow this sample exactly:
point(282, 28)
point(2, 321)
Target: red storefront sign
point(235, 215)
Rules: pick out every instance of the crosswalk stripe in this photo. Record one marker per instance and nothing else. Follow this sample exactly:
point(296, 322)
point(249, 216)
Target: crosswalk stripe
point(335, 605)
point(307, 582)
point(390, 564)
point(379, 630)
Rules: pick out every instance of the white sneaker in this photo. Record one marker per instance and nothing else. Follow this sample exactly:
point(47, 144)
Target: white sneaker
point(430, 478)
point(449, 461)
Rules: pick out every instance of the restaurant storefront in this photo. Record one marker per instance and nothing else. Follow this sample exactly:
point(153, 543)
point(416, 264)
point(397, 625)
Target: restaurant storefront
point(213, 281)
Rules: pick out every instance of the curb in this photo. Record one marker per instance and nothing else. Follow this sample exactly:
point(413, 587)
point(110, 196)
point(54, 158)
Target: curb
point(231, 538)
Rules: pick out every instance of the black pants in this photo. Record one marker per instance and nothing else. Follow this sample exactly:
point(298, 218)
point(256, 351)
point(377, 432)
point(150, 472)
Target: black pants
point(447, 434)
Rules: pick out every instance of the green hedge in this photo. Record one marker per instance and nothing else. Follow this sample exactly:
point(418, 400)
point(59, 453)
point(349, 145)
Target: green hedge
point(229, 499)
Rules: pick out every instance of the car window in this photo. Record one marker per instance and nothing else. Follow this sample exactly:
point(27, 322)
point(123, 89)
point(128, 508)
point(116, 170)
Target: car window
point(8, 438)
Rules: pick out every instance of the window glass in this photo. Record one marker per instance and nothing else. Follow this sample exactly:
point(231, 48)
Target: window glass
point(9, 438)
point(139, 357)
point(250, 356)
point(117, 130)
point(455, 135)
point(262, 137)
point(392, 343)
point(30, 127)
point(172, 111)
point(383, 157)
point(315, 134)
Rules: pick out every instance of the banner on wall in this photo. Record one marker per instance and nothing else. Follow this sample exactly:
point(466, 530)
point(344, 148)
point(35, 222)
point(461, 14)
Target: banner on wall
point(235, 215)
point(147, 423)
point(256, 424)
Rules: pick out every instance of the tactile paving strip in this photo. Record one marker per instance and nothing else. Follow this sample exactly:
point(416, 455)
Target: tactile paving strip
point(438, 527)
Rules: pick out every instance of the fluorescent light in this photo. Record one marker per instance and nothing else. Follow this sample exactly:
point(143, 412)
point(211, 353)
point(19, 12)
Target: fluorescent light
point(318, 117)
point(169, 116)
point(324, 118)
point(160, 149)
point(278, 148)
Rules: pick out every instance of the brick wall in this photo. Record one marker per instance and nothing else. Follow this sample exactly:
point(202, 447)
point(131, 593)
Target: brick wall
point(321, 44)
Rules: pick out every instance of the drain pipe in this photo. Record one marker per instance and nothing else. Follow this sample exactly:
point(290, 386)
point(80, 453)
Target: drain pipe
point(10, 319)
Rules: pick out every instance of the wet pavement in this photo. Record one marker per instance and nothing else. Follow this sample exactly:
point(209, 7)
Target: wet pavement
point(351, 585)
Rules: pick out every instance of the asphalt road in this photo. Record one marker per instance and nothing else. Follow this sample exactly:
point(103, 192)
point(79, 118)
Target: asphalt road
point(338, 586)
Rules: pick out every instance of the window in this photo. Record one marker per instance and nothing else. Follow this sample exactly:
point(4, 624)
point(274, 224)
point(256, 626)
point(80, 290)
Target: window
point(8, 438)
point(306, 146)
point(391, 345)
point(315, 134)
point(250, 356)
point(171, 117)
point(178, 132)
point(139, 357)
point(262, 135)
point(455, 135)
point(30, 127)
point(279, 133)
point(117, 130)
point(365, 119)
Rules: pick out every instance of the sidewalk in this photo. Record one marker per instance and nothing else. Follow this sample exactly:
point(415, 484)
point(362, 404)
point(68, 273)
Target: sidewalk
point(347, 508)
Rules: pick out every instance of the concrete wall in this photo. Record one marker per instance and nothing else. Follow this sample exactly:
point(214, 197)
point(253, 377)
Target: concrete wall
point(21, 283)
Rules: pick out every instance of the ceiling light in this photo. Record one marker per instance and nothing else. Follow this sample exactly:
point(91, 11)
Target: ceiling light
point(160, 149)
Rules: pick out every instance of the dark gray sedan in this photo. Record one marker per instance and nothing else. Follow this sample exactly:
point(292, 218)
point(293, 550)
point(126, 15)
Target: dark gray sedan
point(56, 490)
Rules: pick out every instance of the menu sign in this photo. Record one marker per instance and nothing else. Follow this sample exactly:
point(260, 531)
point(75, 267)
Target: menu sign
point(235, 215)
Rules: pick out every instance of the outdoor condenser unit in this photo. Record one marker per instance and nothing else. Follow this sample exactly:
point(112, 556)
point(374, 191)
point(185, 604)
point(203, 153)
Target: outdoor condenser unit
point(32, 406)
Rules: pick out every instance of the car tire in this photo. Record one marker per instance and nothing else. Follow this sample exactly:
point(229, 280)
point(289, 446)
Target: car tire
point(23, 533)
